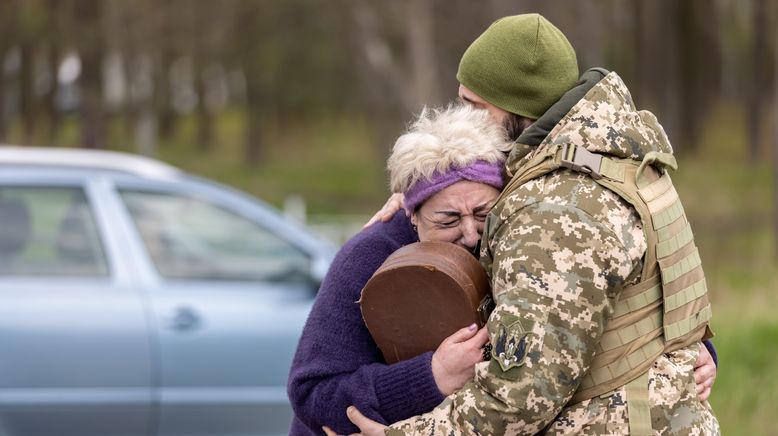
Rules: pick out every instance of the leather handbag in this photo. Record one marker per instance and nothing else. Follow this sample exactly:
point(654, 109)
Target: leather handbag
point(422, 294)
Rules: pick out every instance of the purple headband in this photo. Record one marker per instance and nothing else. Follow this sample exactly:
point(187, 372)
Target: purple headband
point(479, 171)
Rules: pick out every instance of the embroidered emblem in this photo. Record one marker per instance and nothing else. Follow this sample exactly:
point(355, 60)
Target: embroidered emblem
point(510, 347)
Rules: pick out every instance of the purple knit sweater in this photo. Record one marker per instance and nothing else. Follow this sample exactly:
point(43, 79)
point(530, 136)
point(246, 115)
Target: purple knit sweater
point(338, 364)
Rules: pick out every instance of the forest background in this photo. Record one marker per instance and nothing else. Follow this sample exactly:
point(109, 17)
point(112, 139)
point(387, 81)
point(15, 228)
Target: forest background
point(299, 101)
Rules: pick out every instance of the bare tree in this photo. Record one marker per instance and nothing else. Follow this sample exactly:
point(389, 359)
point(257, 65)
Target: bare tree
point(249, 35)
point(8, 12)
point(379, 56)
point(423, 52)
point(86, 27)
point(55, 40)
point(755, 111)
point(31, 18)
point(775, 132)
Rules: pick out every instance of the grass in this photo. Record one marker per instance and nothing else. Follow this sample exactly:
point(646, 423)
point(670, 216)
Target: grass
point(331, 163)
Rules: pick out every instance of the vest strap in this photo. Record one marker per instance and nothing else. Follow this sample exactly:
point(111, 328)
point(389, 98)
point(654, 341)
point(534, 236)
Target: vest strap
point(670, 246)
point(670, 230)
point(652, 295)
point(683, 266)
point(623, 336)
point(687, 325)
point(685, 296)
point(638, 407)
point(668, 215)
point(600, 380)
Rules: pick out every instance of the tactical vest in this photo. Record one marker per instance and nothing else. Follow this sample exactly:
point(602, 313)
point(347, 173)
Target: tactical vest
point(668, 309)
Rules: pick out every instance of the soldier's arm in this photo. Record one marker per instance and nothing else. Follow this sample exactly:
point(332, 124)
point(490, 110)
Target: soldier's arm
point(554, 269)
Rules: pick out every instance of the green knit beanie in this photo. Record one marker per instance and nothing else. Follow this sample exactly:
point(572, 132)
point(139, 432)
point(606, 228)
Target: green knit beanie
point(522, 64)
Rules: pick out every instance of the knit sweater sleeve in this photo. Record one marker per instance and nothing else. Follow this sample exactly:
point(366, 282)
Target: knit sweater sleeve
point(337, 363)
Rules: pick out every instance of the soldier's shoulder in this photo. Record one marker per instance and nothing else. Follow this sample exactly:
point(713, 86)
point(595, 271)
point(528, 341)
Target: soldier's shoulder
point(564, 189)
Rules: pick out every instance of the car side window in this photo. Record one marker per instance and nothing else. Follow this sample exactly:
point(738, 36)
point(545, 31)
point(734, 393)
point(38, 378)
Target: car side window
point(49, 231)
point(188, 238)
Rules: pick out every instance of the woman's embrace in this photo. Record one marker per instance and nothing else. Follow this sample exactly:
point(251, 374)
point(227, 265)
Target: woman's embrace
point(450, 168)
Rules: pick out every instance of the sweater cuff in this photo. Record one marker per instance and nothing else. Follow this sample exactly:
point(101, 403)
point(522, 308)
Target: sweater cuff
point(712, 351)
point(407, 389)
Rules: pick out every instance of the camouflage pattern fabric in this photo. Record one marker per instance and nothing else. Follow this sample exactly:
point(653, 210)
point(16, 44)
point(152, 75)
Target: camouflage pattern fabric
point(558, 250)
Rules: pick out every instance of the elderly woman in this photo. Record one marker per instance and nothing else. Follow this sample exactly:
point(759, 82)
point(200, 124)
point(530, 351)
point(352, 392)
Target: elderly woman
point(449, 167)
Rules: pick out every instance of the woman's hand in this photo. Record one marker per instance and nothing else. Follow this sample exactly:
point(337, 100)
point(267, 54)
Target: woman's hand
point(393, 204)
point(704, 373)
point(453, 363)
point(367, 426)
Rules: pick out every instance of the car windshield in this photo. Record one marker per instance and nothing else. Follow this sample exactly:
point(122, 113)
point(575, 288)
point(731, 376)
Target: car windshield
point(188, 238)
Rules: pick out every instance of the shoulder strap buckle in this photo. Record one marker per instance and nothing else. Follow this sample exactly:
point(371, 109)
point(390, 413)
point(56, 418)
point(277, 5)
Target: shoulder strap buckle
point(578, 158)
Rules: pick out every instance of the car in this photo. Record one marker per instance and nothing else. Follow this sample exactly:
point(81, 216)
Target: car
point(137, 299)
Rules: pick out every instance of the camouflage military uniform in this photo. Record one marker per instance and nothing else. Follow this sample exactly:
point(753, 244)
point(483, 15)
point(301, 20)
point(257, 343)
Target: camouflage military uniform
point(559, 249)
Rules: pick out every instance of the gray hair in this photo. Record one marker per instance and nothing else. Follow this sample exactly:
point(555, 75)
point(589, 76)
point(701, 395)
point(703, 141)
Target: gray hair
point(455, 136)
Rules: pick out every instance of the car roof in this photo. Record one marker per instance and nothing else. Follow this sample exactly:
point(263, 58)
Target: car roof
point(106, 160)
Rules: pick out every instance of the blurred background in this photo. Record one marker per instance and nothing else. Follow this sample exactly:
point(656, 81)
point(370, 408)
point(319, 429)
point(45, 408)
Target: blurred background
point(299, 101)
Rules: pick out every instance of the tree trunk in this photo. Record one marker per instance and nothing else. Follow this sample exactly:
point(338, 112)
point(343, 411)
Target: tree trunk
point(424, 59)
point(755, 103)
point(202, 57)
point(27, 94)
point(50, 99)
point(775, 139)
point(666, 82)
point(379, 57)
point(590, 33)
point(3, 132)
point(166, 116)
point(92, 114)
point(204, 116)
point(254, 114)
point(90, 49)
point(8, 13)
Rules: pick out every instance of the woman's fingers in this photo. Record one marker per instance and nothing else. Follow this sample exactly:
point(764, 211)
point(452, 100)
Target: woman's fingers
point(367, 426)
point(462, 334)
point(481, 338)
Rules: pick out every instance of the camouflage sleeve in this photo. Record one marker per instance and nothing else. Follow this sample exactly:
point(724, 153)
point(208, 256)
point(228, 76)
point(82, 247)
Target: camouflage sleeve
point(555, 269)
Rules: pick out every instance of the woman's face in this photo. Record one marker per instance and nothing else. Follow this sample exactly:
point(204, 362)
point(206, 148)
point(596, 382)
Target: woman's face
point(456, 214)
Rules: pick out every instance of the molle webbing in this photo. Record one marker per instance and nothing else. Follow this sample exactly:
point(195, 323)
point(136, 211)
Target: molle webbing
point(668, 309)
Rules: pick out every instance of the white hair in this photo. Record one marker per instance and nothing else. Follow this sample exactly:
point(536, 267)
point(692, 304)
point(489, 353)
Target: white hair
point(444, 138)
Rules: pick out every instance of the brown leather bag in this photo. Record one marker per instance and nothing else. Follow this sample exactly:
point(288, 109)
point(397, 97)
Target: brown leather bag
point(422, 294)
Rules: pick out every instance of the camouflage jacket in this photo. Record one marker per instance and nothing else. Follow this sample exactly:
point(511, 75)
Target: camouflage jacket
point(558, 250)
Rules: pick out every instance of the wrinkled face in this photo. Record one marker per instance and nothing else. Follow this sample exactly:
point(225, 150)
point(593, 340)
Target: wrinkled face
point(468, 96)
point(456, 214)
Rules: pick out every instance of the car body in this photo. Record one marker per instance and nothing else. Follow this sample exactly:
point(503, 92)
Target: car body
point(136, 299)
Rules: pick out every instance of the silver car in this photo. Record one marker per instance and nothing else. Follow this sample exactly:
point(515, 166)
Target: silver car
point(136, 299)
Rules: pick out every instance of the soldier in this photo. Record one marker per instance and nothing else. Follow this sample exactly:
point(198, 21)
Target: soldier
point(601, 299)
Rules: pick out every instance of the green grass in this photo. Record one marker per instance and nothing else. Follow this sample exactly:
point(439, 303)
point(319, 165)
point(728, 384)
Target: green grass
point(331, 164)
point(745, 394)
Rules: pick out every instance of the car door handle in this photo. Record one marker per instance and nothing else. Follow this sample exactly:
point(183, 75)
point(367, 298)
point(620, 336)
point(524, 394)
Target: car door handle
point(185, 319)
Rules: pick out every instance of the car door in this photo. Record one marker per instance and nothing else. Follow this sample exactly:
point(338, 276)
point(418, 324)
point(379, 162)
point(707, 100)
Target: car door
point(234, 289)
point(76, 349)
